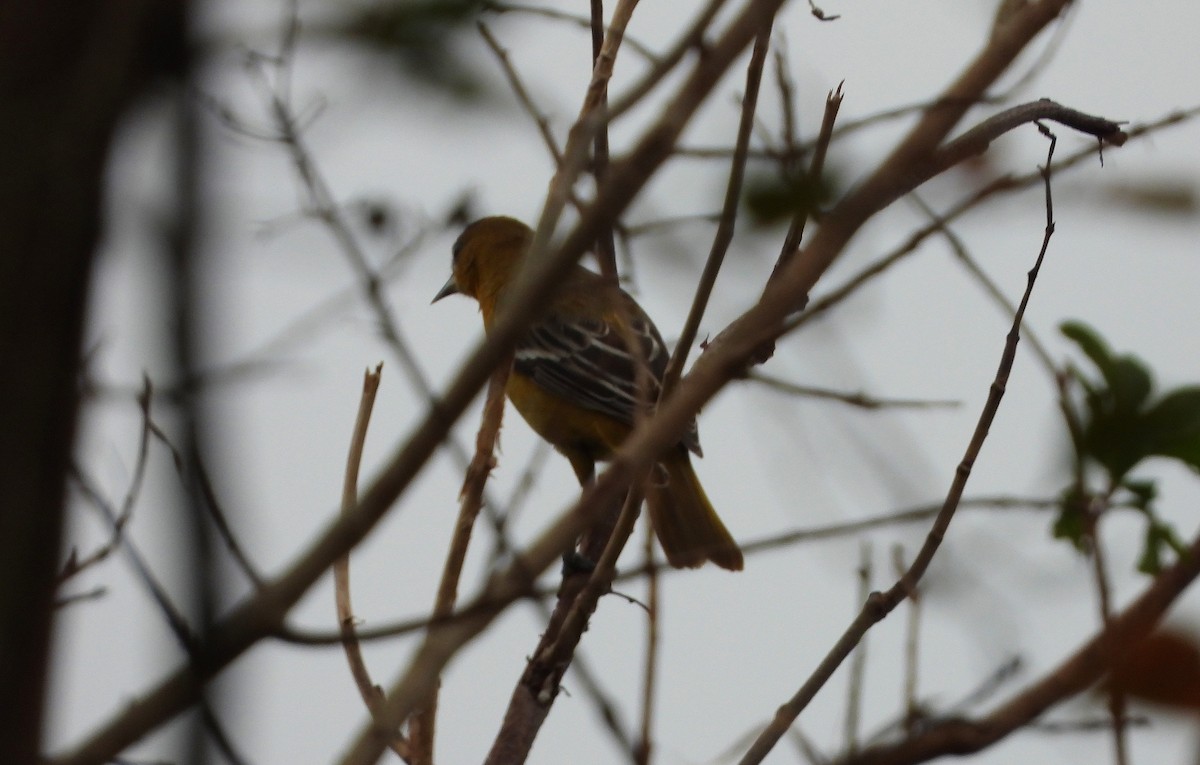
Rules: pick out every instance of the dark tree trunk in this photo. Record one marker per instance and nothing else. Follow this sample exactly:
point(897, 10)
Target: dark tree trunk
point(67, 69)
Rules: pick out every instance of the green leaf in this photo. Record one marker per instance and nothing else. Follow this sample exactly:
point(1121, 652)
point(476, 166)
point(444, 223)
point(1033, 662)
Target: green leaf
point(1112, 440)
point(1158, 536)
point(1144, 493)
point(1150, 561)
point(1113, 432)
point(1172, 426)
point(1089, 342)
point(1129, 382)
point(1070, 523)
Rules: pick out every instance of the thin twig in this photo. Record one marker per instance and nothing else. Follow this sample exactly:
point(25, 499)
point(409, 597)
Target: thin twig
point(518, 88)
point(1116, 696)
point(176, 621)
point(1003, 184)
point(220, 521)
point(912, 646)
point(1075, 674)
point(1095, 725)
point(644, 751)
point(787, 103)
point(859, 399)
point(74, 565)
point(172, 615)
point(878, 606)
point(858, 662)
point(729, 209)
point(959, 248)
point(652, 226)
point(816, 170)
point(369, 691)
point(1005, 673)
point(777, 541)
point(819, 14)
point(606, 249)
point(692, 39)
point(422, 722)
point(208, 494)
point(96, 593)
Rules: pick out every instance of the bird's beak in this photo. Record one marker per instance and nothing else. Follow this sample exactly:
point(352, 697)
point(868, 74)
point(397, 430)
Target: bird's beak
point(450, 288)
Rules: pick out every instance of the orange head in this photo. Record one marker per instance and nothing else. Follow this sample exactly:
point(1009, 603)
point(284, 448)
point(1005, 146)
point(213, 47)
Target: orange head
point(487, 255)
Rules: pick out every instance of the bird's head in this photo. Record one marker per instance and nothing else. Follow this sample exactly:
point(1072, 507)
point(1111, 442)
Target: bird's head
point(487, 255)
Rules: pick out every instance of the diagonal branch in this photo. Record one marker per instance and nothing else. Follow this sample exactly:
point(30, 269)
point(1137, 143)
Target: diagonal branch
point(1089, 663)
point(879, 605)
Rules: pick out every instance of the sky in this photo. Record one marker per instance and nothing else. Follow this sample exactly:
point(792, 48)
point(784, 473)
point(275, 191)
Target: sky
point(733, 646)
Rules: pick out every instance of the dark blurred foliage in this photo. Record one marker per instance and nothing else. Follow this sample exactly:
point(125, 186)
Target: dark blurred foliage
point(1161, 196)
point(774, 198)
point(420, 36)
point(1121, 424)
point(1124, 423)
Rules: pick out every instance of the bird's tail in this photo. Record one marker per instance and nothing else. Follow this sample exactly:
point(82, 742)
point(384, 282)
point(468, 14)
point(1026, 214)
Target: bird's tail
point(684, 520)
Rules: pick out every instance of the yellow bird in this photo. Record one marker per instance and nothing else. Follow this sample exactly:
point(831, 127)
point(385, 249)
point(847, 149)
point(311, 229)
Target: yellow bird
point(575, 381)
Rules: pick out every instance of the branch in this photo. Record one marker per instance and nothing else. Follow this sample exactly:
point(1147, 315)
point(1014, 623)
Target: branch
point(74, 565)
point(858, 399)
point(1089, 663)
point(370, 693)
point(910, 515)
point(1005, 183)
point(422, 721)
point(816, 169)
point(878, 606)
point(606, 248)
point(728, 219)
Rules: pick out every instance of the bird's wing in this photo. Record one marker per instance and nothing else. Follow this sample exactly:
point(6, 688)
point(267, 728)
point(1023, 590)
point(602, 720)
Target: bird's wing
point(589, 363)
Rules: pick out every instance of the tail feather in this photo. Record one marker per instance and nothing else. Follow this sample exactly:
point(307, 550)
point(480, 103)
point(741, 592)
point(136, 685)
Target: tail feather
point(688, 528)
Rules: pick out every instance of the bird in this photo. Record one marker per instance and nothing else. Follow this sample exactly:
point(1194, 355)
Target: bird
point(575, 381)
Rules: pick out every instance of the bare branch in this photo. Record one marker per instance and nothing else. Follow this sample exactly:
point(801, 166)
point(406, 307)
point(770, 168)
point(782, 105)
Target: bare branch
point(816, 169)
point(959, 248)
point(645, 746)
point(371, 695)
point(74, 565)
point(422, 721)
point(878, 606)
point(1074, 675)
point(774, 542)
point(518, 87)
point(724, 234)
point(858, 399)
point(858, 663)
